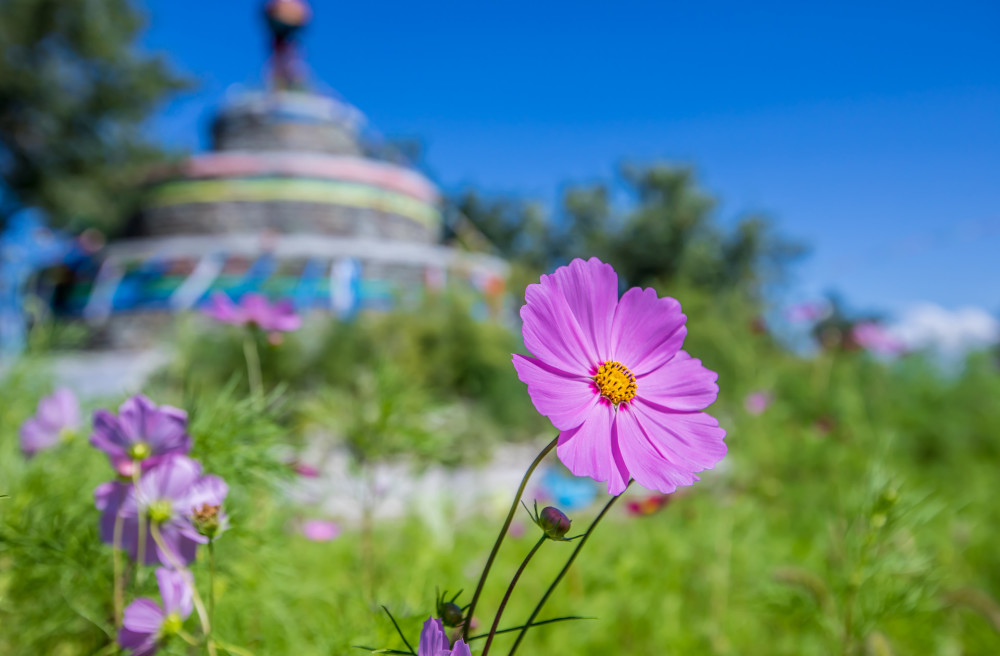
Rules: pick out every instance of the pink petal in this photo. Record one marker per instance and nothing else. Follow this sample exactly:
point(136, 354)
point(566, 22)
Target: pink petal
point(139, 643)
point(133, 415)
point(284, 317)
point(591, 291)
point(587, 449)
point(173, 478)
point(143, 616)
point(647, 330)
point(319, 530)
point(680, 384)
point(36, 436)
point(180, 546)
point(175, 591)
point(221, 308)
point(432, 638)
point(691, 439)
point(651, 465)
point(564, 398)
point(461, 649)
point(59, 410)
point(553, 333)
point(256, 308)
point(108, 435)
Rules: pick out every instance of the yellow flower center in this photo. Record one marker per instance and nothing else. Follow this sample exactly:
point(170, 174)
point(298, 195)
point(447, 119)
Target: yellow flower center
point(140, 451)
point(172, 624)
point(160, 511)
point(616, 382)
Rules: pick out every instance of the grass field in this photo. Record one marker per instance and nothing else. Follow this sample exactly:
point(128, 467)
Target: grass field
point(856, 514)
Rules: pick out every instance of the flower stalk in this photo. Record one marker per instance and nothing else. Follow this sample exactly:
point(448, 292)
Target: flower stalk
point(562, 572)
point(252, 357)
point(116, 563)
point(510, 590)
point(503, 533)
point(199, 605)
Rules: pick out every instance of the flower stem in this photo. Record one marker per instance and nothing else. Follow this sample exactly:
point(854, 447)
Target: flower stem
point(233, 649)
point(141, 551)
point(503, 533)
point(510, 589)
point(116, 560)
point(562, 572)
point(253, 364)
point(211, 586)
point(199, 605)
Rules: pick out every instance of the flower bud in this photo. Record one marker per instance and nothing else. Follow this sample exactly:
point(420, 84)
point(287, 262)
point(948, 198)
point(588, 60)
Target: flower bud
point(451, 614)
point(554, 523)
point(206, 520)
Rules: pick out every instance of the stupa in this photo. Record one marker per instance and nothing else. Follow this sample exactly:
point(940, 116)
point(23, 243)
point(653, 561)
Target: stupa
point(291, 201)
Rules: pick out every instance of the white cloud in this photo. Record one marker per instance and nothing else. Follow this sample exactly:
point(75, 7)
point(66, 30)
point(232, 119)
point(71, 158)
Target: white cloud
point(950, 332)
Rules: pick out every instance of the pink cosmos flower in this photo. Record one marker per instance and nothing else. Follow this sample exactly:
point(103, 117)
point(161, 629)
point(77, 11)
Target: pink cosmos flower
point(874, 338)
point(757, 402)
point(319, 530)
point(648, 505)
point(142, 432)
point(185, 506)
point(434, 641)
point(254, 310)
point(305, 470)
point(146, 624)
point(611, 376)
point(57, 416)
point(807, 312)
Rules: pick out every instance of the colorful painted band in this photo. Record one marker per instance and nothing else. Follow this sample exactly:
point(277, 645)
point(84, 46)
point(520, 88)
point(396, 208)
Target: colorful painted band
point(311, 165)
point(294, 190)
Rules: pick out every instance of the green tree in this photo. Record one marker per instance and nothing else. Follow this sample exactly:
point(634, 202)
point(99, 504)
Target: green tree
point(664, 234)
point(74, 93)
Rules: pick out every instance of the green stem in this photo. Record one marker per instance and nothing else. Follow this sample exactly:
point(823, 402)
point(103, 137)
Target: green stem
point(510, 590)
point(199, 605)
point(253, 364)
point(562, 572)
point(233, 649)
point(116, 561)
point(211, 586)
point(141, 552)
point(503, 533)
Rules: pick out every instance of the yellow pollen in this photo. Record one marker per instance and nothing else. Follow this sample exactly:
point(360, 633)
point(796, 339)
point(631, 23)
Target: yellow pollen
point(616, 382)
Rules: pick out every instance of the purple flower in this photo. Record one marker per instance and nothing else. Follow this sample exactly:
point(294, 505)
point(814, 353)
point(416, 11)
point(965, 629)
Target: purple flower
point(184, 506)
point(757, 402)
point(611, 376)
point(319, 530)
point(434, 641)
point(146, 624)
point(255, 310)
point(57, 417)
point(109, 497)
point(142, 432)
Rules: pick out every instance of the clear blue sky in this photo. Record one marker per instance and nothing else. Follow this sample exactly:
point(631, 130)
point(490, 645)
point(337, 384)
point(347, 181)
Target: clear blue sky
point(869, 130)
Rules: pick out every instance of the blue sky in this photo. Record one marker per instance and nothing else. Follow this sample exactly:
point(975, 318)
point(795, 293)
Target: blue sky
point(871, 131)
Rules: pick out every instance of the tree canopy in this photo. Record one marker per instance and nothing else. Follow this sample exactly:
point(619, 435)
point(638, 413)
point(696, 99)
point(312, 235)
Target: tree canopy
point(74, 94)
point(664, 233)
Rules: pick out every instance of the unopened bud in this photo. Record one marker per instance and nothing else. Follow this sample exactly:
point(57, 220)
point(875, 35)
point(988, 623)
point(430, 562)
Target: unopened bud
point(451, 614)
point(206, 520)
point(554, 523)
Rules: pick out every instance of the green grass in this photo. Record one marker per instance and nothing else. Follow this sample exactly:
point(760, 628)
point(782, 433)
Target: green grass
point(857, 515)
